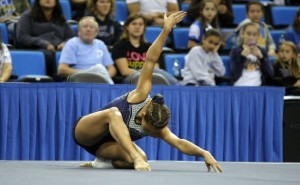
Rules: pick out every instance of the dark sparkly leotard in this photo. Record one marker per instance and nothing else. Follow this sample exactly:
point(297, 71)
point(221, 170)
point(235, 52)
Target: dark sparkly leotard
point(128, 111)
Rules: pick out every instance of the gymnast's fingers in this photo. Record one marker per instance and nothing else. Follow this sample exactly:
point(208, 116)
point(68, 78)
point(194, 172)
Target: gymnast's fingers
point(217, 167)
point(208, 167)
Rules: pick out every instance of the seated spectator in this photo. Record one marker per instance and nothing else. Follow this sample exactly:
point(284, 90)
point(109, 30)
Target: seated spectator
point(78, 9)
point(10, 11)
point(153, 10)
point(208, 19)
point(224, 9)
point(44, 27)
point(287, 66)
point(255, 12)
point(249, 63)
point(86, 53)
point(109, 29)
point(293, 32)
point(203, 63)
point(5, 63)
point(129, 53)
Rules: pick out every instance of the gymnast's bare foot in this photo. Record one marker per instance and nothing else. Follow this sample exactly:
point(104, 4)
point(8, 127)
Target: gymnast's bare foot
point(87, 164)
point(141, 165)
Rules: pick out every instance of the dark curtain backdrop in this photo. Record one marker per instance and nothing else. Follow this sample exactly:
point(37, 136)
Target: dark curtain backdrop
point(234, 123)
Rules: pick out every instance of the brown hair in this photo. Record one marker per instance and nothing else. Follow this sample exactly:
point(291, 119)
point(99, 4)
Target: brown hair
point(158, 113)
point(250, 3)
point(215, 21)
point(132, 17)
point(92, 7)
point(294, 66)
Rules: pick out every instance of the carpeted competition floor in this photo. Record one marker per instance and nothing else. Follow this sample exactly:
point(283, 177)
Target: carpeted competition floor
point(163, 173)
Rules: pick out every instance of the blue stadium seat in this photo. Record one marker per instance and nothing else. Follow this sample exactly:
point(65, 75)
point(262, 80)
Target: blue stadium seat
point(283, 15)
point(121, 11)
point(226, 62)
point(169, 61)
point(152, 32)
point(277, 35)
point(66, 8)
point(180, 38)
point(184, 7)
point(29, 65)
point(57, 57)
point(228, 36)
point(239, 12)
point(75, 29)
point(4, 33)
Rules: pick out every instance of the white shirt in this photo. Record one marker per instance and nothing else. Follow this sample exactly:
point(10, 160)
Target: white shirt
point(151, 6)
point(4, 57)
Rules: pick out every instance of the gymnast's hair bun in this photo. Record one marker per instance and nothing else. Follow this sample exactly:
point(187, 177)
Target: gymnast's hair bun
point(158, 99)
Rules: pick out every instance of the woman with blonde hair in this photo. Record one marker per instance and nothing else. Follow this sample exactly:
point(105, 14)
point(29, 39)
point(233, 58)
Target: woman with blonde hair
point(287, 66)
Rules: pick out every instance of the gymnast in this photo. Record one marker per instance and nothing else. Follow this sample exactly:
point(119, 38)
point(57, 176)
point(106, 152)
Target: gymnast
point(108, 134)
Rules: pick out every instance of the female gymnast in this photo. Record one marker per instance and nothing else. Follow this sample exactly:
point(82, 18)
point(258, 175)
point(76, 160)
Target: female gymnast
point(108, 133)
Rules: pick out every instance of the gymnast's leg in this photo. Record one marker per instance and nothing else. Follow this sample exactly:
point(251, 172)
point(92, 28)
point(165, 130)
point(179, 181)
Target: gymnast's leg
point(91, 128)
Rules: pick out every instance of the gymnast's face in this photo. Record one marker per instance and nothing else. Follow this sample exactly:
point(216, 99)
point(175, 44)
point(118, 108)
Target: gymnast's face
point(149, 128)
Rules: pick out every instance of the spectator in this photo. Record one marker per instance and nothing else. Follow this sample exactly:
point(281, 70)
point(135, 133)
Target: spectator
point(78, 9)
point(153, 10)
point(5, 63)
point(255, 12)
point(224, 9)
point(44, 27)
point(11, 9)
point(86, 53)
point(109, 29)
point(293, 32)
point(10, 12)
point(203, 63)
point(207, 19)
point(287, 66)
point(249, 63)
point(129, 53)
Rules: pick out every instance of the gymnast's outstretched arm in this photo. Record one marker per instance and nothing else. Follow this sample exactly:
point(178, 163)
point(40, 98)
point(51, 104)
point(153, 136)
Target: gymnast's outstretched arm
point(144, 83)
point(189, 148)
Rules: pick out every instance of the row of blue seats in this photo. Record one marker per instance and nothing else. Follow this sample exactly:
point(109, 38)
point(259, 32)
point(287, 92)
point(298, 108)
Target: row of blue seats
point(33, 62)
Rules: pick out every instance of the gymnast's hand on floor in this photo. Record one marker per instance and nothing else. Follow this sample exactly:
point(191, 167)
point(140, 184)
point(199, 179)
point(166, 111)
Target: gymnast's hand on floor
point(211, 162)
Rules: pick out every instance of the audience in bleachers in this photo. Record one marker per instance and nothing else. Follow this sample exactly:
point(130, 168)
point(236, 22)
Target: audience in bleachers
point(249, 62)
point(44, 27)
point(129, 53)
point(5, 63)
point(203, 63)
point(85, 53)
point(255, 13)
point(293, 32)
point(287, 66)
point(109, 29)
point(152, 10)
point(224, 11)
point(207, 19)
